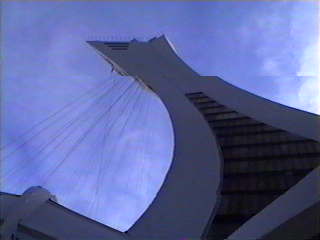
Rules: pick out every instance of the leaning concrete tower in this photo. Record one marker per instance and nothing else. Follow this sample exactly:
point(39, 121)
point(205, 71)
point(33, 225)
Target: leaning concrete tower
point(239, 159)
point(243, 168)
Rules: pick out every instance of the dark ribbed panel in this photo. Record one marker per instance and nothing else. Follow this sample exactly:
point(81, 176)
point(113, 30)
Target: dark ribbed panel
point(260, 163)
point(117, 45)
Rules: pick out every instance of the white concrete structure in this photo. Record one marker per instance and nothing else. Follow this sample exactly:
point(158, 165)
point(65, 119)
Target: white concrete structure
point(217, 128)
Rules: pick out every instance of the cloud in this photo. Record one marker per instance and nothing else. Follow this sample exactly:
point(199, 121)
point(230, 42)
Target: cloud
point(287, 47)
point(309, 60)
point(271, 66)
point(306, 33)
point(309, 92)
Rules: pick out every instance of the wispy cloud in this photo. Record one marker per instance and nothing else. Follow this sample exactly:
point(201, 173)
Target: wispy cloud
point(309, 57)
point(287, 47)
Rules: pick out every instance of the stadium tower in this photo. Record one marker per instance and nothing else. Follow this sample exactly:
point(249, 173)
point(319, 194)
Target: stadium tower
point(244, 167)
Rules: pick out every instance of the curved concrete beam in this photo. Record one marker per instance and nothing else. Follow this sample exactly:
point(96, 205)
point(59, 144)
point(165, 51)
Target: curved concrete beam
point(189, 194)
point(187, 197)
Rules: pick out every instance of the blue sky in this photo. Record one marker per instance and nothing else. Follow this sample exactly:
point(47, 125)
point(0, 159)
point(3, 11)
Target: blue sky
point(270, 48)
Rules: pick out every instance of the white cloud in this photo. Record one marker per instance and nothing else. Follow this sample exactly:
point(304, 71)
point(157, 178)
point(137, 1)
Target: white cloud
point(270, 66)
point(309, 92)
point(288, 49)
point(309, 61)
point(267, 32)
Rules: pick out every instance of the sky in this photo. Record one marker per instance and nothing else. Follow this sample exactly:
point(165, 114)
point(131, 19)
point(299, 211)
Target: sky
point(270, 48)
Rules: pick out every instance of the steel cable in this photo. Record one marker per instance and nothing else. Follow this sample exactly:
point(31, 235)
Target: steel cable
point(104, 165)
point(104, 137)
point(63, 130)
point(44, 128)
point(74, 146)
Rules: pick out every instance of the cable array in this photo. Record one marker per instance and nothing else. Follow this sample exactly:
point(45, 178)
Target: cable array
point(77, 151)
